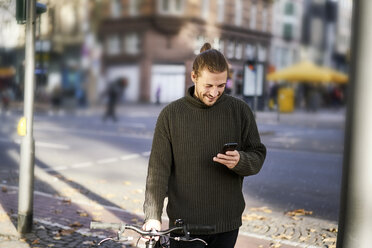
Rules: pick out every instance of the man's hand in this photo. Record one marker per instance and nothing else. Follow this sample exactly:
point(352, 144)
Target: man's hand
point(152, 224)
point(230, 159)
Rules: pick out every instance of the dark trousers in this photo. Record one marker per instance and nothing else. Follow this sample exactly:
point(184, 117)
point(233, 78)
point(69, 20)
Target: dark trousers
point(219, 240)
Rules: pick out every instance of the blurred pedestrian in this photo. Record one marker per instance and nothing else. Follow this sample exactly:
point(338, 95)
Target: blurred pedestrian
point(113, 93)
point(56, 97)
point(203, 185)
point(157, 95)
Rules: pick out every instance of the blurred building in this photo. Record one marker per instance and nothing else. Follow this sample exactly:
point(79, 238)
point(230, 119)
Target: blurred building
point(319, 30)
point(343, 34)
point(287, 31)
point(152, 43)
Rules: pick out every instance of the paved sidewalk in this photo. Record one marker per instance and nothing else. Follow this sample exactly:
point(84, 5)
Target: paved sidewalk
point(58, 223)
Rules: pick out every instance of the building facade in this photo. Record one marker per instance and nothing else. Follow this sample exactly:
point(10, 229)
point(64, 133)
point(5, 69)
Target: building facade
point(152, 43)
point(287, 31)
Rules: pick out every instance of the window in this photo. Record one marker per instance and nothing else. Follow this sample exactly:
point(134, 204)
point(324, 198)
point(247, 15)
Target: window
point(116, 8)
point(220, 10)
point(218, 44)
point(239, 51)
point(230, 49)
point(174, 7)
point(205, 9)
point(131, 44)
point(113, 45)
point(289, 9)
point(261, 53)
point(253, 17)
point(287, 31)
point(199, 42)
point(250, 51)
point(133, 7)
point(221, 46)
point(264, 20)
point(238, 12)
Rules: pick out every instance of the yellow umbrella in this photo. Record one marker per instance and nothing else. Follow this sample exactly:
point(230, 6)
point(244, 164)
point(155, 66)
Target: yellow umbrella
point(306, 71)
point(338, 77)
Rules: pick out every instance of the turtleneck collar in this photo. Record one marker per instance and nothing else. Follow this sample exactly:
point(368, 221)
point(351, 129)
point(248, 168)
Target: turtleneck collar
point(197, 103)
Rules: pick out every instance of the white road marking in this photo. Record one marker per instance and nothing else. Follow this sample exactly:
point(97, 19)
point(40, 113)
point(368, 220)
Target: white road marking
point(82, 165)
point(59, 168)
point(52, 145)
point(37, 144)
point(107, 161)
point(130, 156)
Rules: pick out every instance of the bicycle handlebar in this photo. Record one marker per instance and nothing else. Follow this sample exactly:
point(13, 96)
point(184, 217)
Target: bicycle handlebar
point(117, 226)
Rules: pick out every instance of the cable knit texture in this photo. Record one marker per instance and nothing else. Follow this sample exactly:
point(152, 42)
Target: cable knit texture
point(187, 136)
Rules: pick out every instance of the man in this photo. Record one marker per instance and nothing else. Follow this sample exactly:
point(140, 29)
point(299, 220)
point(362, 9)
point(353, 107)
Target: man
point(203, 186)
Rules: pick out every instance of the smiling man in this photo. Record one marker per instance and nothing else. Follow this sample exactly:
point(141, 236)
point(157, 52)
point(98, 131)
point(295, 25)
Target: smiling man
point(203, 186)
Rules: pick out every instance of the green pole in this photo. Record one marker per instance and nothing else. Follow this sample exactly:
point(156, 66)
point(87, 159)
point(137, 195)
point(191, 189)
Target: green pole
point(26, 171)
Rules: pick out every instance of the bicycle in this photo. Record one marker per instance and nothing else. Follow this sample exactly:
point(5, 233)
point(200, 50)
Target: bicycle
point(152, 235)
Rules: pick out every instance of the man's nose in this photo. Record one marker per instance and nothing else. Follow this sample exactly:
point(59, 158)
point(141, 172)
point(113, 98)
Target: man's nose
point(214, 92)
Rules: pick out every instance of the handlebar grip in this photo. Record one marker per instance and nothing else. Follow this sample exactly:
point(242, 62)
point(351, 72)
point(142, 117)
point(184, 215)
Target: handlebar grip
point(200, 228)
point(104, 225)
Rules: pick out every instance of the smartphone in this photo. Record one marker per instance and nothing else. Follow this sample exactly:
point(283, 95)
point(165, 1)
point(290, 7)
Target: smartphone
point(229, 147)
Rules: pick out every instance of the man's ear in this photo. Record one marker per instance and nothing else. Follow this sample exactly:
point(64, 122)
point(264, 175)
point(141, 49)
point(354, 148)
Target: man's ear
point(194, 76)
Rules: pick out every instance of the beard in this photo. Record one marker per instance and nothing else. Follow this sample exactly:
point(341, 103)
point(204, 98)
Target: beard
point(205, 98)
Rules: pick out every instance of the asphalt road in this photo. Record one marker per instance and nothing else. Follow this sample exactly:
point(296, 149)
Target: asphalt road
point(81, 157)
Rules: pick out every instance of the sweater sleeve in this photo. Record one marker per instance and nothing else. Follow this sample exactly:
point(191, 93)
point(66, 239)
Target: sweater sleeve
point(159, 170)
point(253, 152)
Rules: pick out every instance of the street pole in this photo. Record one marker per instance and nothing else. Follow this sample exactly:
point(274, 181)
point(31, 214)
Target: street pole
point(26, 171)
point(355, 226)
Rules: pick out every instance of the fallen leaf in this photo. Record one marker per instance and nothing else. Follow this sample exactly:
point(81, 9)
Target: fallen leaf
point(4, 189)
point(36, 242)
point(299, 212)
point(303, 239)
point(127, 183)
point(253, 217)
point(262, 209)
point(76, 224)
point(282, 236)
point(66, 201)
point(50, 245)
point(333, 230)
point(275, 245)
point(82, 213)
point(58, 211)
point(66, 232)
point(329, 240)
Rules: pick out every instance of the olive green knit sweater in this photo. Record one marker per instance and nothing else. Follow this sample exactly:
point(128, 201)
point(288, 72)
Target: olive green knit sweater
point(188, 135)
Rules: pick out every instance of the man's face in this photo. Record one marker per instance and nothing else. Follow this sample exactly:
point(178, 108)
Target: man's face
point(209, 86)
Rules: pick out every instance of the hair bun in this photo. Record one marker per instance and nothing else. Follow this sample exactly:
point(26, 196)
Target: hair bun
point(205, 47)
